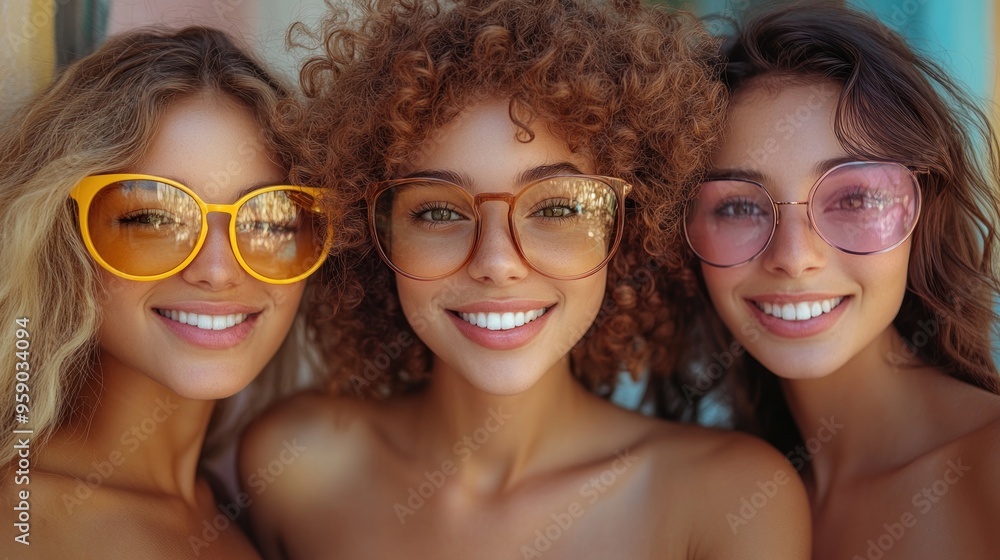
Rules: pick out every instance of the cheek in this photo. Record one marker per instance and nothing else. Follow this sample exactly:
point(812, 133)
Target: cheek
point(588, 295)
point(720, 283)
point(114, 292)
point(122, 302)
point(287, 297)
point(884, 276)
point(416, 298)
point(122, 311)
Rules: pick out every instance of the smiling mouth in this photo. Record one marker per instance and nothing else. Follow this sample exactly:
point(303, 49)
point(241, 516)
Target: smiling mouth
point(801, 311)
point(205, 322)
point(502, 321)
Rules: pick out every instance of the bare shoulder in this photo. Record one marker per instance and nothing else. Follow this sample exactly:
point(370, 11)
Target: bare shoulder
point(699, 451)
point(970, 446)
point(304, 431)
point(53, 513)
point(310, 444)
point(308, 434)
point(750, 500)
point(976, 458)
point(90, 519)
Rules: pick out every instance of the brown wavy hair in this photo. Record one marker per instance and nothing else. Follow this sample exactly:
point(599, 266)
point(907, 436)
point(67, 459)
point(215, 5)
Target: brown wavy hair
point(632, 87)
point(894, 106)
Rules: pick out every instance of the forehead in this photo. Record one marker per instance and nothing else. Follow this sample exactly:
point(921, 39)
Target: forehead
point(211, 144)
point(484, 144)
point(775, 123)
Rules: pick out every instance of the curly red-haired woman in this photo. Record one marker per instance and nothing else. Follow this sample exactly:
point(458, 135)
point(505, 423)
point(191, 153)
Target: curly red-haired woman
point(501, 153)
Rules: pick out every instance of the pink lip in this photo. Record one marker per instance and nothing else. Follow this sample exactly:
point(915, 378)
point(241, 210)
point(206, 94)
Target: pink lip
point(501, 340)
point(210, 339)
point(502, 306)
point(796, 329)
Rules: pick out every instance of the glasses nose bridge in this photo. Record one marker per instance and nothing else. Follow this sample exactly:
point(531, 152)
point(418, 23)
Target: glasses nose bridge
point(779, 204)
point(227, 209)
point(481, 198)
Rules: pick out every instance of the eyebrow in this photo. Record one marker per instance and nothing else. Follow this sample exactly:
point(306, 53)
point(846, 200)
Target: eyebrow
point(543, 171)
point(828, 164)
point(736, 173)
point(522, 178)
point(753, 175)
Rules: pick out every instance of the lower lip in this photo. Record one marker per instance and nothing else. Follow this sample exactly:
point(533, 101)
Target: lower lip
point(214, 340)
point(798, 329)
point(501, 339)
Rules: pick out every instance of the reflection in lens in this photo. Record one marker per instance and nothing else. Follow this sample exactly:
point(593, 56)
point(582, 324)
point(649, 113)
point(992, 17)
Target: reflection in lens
point(143, 227)
point(866, 207)
point(566, 225)
point(729, 222)
point(280, 234)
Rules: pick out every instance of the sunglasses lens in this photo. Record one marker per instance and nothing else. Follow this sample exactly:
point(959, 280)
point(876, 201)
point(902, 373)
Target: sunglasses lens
point(729, 222)
point(281, 234)
point(866, 208)
point(143, 228)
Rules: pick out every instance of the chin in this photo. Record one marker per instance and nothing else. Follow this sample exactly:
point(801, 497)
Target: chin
point(800, 367)
point(209, 386)
point(502, 384)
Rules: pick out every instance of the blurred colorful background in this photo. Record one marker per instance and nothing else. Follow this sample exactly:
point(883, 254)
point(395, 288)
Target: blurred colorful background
point(39, 36)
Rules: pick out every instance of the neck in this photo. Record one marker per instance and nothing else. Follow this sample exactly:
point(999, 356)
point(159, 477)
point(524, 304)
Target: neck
point(496, 440)
point(130, 431)
point(865, 417)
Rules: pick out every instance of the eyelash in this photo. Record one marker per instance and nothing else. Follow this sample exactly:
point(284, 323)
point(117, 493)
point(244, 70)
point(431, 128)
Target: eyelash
point(134, 217)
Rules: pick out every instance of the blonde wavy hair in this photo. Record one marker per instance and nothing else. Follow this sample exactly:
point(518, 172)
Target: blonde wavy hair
point(99, 116)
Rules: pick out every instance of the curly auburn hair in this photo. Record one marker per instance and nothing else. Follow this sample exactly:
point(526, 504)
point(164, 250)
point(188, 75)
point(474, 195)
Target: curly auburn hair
point(632, 87)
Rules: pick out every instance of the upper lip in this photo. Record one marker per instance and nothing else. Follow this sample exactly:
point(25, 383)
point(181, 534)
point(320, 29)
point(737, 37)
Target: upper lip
point(793, 298)
point(501, 306)
point(210, 308)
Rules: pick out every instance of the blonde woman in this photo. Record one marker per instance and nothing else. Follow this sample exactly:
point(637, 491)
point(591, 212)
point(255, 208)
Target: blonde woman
point(156, 259)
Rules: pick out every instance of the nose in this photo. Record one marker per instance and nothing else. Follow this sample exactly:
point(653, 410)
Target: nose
point(795, 248)
point(497, 259)
point(215, 266)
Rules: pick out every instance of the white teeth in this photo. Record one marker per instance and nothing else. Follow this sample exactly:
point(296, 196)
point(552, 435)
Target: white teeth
point(801, 311)
point(206, 322)
point(788, 312)
point(507, 321)
point(493, 321)
point(502, 321)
